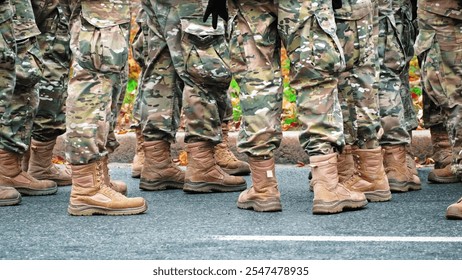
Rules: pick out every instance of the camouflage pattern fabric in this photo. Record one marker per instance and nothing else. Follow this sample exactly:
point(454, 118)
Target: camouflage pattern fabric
point(24, 20)
point(438, 44)
point(186, 58)
point(139, 51)
point(392, 60)
point(255, 62)
point(407, 33)
point(308, 31)
point(159, 96)
point(8, 55)
point(358, 83)
point(19, 91)
point(53, 21)
point(99, 45)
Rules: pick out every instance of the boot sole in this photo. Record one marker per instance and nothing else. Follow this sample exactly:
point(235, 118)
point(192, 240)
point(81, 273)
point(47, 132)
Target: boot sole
point(320, 207)
point(274, 206)
point(136, 174)
point(210, 187)
point(32, 192)
point(159, 185)
point(378, 196)
point(444, 180)
point(403, 186)
point(87, 210)
point(10, 202)
point(241, 171)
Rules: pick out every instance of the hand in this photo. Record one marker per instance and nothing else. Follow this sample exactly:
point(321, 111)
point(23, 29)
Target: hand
point(216, 8)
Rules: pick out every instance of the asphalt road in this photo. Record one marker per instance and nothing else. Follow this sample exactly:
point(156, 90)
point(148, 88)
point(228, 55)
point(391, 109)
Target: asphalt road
point(183, 226)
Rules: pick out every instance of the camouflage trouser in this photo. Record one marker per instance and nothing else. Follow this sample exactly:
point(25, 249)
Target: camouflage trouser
point(309, 34)
point(189, 62)
point(255, 62)
point(439, 45)
point(139, 52)
point(20, 108)
point(98, 77)
point(49, 122)
point(392, 61)
point(358, 83)
point(407, 34)
point(9, 123)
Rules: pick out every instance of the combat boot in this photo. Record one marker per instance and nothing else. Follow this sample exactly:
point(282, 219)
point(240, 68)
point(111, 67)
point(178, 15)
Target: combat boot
point(226, 159)
point(443, 175)
point(204, 175)
point(159, 171)
point(454, 211)
point(263, 195)
point(369, 165)
point(400, 178)
point(138, 159)
point(9, 196)
point(90, 194)
point(117, 185)
point(12, 175)
point(442, 155)
point(41, 166)
point(348, 174)
point(329, 196)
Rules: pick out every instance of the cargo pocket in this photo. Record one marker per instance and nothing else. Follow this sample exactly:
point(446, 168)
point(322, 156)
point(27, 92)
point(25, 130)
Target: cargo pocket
point(28, 71)
point(205, 51)
point(7, 47)
point(315, 45)
point(103, 50)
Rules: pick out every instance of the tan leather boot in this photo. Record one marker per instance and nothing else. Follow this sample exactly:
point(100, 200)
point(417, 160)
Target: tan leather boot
point(442, 155)
point(12, 175)
point(454, 211)
point(348, 174)
point(226, 159)
point(329, 196)
point(90, 194)
point(203, 175)
point(400, 178)
point(117, 185)
point(369, 164)
point(263, 195)
point(443, 175)
point(138, 160)
point(41, 166)
point(9, 196)
point(159, 171)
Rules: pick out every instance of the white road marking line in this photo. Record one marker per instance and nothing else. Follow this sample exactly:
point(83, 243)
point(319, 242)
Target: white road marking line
point(338, 238)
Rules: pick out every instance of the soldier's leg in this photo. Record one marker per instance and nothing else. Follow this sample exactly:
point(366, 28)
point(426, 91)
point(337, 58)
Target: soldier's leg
point(255, 62)
point(92, 88)
point(317, 57)
point(8, 195)
point(360, 165)
point(160, 104)
point(396, 136)
point(49, 121)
